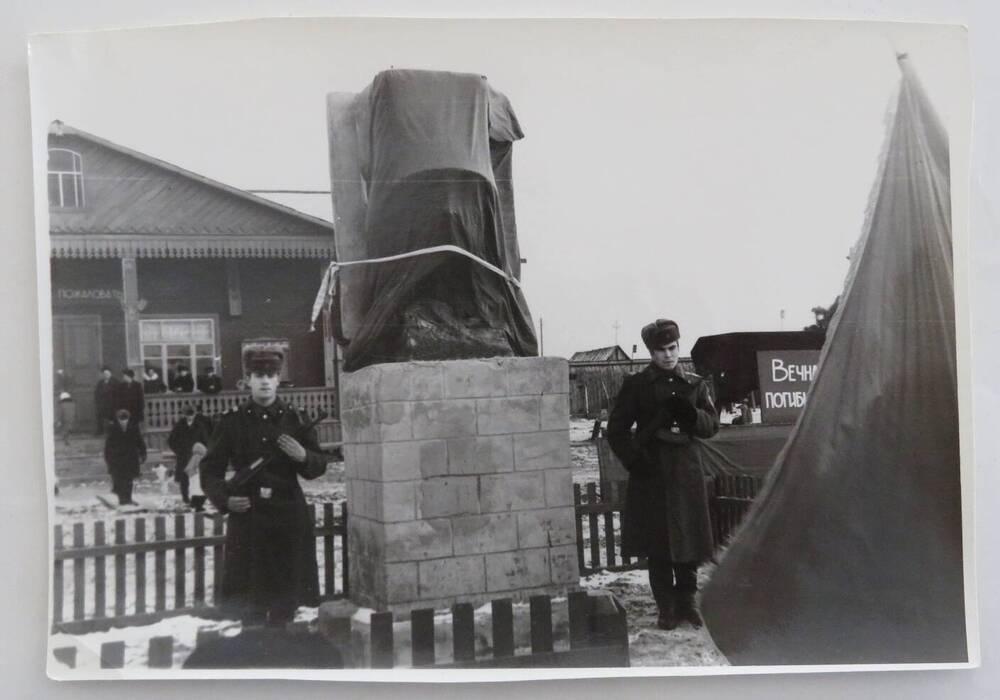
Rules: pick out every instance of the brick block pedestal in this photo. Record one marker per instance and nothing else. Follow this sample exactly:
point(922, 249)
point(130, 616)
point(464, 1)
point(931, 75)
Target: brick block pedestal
point(459, 482)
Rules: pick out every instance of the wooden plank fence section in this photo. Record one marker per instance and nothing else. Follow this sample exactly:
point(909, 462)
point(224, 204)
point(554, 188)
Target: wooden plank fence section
point(597, 624)
point(89, 609)
point(730, 498)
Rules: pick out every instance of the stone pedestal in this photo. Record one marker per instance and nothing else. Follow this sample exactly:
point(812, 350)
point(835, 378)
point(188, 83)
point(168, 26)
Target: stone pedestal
point(459, 484)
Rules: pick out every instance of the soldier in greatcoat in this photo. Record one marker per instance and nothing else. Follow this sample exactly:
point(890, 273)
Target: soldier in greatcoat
point(124, 451)
point(270, 566)
point(666, 517)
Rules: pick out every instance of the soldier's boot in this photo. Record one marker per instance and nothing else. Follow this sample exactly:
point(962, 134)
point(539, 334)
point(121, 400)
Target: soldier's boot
point(687, 610)
point(667, 619)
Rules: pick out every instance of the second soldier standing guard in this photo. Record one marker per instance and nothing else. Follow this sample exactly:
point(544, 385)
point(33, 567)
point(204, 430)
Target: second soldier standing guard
point(270, 566)
point(666, 515)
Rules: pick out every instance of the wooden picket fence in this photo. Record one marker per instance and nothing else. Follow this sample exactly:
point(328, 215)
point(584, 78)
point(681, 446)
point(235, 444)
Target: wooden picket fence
point(85, 590)
point(599, 511)
point(597, 637)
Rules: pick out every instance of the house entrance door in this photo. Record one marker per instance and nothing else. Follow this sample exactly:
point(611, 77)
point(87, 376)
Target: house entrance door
point(76, 349)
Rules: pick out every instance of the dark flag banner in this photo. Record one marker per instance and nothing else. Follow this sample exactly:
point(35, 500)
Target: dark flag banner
point(853, 552)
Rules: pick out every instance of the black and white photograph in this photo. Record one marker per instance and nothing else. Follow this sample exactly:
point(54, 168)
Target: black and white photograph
point(430, 349)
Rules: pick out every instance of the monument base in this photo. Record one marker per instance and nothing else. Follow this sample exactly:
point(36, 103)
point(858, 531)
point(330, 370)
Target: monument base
point(459, 484)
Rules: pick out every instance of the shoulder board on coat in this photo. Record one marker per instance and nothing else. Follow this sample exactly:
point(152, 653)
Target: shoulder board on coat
point(692, 378)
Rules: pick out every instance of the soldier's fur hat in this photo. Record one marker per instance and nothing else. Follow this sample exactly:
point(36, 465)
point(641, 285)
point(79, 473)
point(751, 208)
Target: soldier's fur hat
point(659, 333)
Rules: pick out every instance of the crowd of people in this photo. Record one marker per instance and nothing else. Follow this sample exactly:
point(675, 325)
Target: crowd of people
point(119, 417)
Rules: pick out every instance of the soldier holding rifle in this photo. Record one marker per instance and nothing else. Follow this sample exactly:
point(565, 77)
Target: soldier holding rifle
point(270, 566)
point(666, 514)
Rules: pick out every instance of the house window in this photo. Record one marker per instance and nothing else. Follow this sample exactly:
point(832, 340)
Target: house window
point(65, 178)
point(170, 342)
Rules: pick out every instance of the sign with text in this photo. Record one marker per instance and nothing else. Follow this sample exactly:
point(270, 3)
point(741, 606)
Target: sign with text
point(785, 377)
point(65, 295)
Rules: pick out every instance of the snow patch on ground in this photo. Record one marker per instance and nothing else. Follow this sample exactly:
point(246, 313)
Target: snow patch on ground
point(649, 645)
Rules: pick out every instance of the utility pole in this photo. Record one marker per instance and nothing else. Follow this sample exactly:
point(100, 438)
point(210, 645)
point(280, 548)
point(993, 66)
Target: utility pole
point(616, 325)
point(782, 326)
point(541, 336)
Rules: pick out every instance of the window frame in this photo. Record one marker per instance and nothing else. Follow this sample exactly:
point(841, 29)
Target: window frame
point(161, 362)
point(75, 176)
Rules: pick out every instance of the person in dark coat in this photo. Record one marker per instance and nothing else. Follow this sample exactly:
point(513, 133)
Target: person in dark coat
point(666, 517)
point(124, 451)
point(104, 400)
point(270, 566)
point(130, 396)
point(152, 383)
point(183, 383)
point(186, 433)
point(210, 382)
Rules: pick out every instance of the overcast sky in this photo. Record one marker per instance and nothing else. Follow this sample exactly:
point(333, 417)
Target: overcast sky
point(712, 172)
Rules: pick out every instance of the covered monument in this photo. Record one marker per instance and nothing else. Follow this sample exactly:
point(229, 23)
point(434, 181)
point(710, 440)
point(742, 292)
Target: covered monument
point(456, 449)
point(420, 165)
point(853, 553)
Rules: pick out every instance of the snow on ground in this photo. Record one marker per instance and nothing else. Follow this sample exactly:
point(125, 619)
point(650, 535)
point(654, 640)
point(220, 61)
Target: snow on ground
point(580, 429)
point(649, 645)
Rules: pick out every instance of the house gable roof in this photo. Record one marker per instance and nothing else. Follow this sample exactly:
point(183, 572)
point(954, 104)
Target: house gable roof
point(136, 204)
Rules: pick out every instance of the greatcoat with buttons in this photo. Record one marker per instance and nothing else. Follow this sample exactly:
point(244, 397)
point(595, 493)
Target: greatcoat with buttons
point(270, 559)
point(666, 504)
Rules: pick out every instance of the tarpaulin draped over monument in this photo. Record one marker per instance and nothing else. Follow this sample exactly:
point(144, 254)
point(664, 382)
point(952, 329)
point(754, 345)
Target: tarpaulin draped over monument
point(421, 159)
point(853, 553)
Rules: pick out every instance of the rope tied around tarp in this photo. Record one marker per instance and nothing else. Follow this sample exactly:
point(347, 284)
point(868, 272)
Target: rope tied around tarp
point(324, 296)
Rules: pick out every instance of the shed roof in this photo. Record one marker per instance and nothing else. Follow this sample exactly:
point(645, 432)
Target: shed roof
point(136, 204)
point(610, 353)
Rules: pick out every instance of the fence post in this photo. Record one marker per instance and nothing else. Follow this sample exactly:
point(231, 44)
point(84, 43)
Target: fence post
point(503, 628)
point(79, 574)
point(140, 568)
point(120, 565)
point(199, 561)
point(463, 625)
point(160, 564)
point(65, 655)
point(113, 655)
point(161, 652)
point(100, 580)
point(344, 577)
point(329, 564)
point(540, 608)
point(57, 576)
point(180, 564)
point(382, 644)
point(422, 636)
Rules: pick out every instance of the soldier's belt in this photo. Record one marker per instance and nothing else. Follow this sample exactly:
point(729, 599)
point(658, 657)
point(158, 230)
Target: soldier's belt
point(671, 438)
